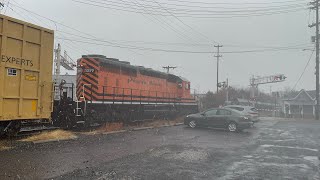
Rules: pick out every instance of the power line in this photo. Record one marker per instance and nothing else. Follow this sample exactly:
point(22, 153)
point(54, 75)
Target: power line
point(188, 11)
point(188, 15)
point(298, 46)
point(205, 8)
point(30, 17)
point(1, 6)
point(304, 70)
point(69, 27)
point(201, 34)
point(6, 7)
point(241, 3)
point(169, 20)
point(168, 25)
point(178, 50)
point(224, 6)
point(141, 48)
point(265, 46)
point(153, 19)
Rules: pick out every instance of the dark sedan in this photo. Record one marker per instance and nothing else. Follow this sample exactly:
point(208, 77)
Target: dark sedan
point(226, 118)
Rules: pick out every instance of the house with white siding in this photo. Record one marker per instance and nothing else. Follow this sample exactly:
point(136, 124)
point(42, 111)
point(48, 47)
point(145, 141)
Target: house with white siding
point(299, 104)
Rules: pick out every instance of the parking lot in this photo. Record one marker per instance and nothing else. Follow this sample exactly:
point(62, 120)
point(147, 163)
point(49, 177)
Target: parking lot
point(274, 149)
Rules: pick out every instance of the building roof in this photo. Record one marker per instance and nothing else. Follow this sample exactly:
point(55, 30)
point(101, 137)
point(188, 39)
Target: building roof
point(312, 93)
point(294, 94)
point(302, 98)
point(291, 95)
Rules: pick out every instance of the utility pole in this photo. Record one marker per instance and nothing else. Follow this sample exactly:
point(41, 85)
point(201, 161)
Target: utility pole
point(315, 5)
point(227, 95)
point(168, 68)
point(218, 56)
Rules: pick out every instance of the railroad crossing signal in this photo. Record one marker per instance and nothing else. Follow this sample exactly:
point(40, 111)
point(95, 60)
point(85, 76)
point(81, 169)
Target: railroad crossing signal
point(255, 81)
point(223, 84)
point(280, 77)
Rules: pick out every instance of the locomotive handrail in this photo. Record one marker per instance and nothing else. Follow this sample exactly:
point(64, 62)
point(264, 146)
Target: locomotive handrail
point(134, 89)
point(131, 94)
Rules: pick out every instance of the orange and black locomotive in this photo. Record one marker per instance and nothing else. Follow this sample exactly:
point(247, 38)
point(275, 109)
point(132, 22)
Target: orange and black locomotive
point(111, 90)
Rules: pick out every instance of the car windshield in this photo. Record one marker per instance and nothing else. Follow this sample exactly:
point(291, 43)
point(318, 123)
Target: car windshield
point(159, 89)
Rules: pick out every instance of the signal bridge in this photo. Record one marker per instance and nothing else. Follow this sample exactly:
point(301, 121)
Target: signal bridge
point(255, 81)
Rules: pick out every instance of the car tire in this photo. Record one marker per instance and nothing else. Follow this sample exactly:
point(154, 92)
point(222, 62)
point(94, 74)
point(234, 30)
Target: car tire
point(192, 124)
point(232, 127)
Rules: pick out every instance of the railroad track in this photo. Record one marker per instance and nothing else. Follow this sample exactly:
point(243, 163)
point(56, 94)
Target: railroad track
point(29, 131)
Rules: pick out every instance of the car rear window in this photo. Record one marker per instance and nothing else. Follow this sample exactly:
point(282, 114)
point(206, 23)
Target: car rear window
point(223, 112)
point(211, 112)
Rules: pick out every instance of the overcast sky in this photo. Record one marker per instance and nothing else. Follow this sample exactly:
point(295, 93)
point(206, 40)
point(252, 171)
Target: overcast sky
point(191, 26)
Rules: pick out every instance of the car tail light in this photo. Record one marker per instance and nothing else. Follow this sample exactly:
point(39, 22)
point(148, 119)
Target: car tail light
point(254, 113)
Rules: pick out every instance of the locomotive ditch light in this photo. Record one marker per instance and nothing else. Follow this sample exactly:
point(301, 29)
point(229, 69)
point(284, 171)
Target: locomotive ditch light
point(81, 65)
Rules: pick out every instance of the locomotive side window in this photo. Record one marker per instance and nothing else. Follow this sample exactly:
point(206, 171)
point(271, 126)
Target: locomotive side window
point(180, 85)
point(187, 86)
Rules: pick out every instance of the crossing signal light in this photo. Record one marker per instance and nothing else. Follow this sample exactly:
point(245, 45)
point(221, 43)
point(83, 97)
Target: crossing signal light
point(282, 77)
point(222, 84)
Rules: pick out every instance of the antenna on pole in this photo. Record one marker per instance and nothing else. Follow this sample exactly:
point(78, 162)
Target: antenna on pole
point(169, 67)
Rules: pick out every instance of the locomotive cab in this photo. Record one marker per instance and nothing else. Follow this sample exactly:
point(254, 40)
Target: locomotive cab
point(184, 88)
point(180, 89)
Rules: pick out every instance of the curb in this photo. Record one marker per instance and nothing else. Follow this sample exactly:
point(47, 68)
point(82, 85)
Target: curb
point(143, 128)
point(151, 127)
point(114, 132)
point(107, 133)
point(52, 140)
point(179, 124)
